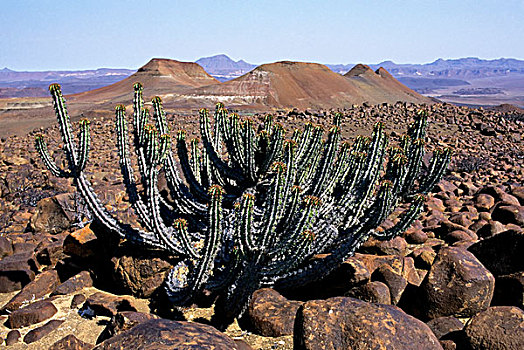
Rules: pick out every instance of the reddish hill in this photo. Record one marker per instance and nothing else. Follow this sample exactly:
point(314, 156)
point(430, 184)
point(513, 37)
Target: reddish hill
point(159, 76)
point(280, 84)
point(380, 86)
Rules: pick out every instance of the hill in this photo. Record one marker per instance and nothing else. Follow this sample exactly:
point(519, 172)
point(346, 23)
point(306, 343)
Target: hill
point(380, 86)
point(301, 85)
point(159, 76)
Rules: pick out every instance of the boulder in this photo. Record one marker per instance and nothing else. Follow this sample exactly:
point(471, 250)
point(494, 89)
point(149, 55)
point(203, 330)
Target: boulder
point(124, 321)
point(74, 284)
point(34, 313)
point(457, 285)
point(140, 275)
point(509, 290)
point(165, 334)
point(16, 271)
point(509, 214)
point(502, 253)
point(12, 337)
point(53, 215)
point(271, 314)
point(347, 323)
point(372, 292)
point(497, 328)
point(40, 332)
point(44, 284)
point(81, 243)
point(395, 282)
point(105, 304)
point(70, 342)
point(441, 326)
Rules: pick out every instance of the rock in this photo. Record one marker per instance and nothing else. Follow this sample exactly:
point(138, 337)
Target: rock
point(140, 275)
point(509, 214)
point(491, 229)
point(271, 314)
point(509, 290)
point(448, 344)
point(81, 243)
point(457, 285)
point(44, 284)
point(42, 331)
point(484, 202)
point(51, 216)
point(51, 253)
point(104, 304)
point(501, 254)
point(70, 342)
point(395, 282)
point(124, 321)
point(442, 326)
point(416, 237)
point(395, 246)
point(165, 334)
point(6, 247)
point(372, 292)
point(77, 300)
point(499, 327)
point(352, 272)
point(16, 271)
point(346, 323)
point(34, 313)
point(423, 257)
point(74, 284)
point(12, 337)
point(499, 195)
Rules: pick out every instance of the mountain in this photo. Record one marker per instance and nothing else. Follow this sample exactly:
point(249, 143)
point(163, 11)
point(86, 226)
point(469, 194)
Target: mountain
point(159, 76)
point(298, 84)
point(224, 68)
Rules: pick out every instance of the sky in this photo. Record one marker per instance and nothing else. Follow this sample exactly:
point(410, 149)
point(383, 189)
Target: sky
point(88, 34)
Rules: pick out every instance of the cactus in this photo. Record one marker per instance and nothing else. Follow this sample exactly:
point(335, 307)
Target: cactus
point(254, 206)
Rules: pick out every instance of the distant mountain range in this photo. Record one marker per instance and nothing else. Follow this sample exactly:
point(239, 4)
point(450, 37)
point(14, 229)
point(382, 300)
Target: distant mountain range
point(441, 78)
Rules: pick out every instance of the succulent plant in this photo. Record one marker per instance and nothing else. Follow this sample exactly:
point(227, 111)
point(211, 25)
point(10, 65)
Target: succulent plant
point(254, 206)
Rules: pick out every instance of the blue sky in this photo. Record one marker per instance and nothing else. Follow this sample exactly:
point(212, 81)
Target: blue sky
point(81, 34)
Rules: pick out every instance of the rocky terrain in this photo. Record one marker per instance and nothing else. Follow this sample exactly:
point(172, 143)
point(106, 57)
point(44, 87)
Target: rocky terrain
point(454, 280)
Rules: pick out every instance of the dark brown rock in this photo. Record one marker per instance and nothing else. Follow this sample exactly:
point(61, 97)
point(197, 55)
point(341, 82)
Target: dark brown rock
point(502, 253)
point(74, 284)
point(509, 290)
point(140, 275)
point(352, 272)
point(51, 253)
point(12, 337)
point(484, 202)
point(77, 300)
point(6, 246)
point(423, 257)
point(372, 292)
point(34, 313)
point(416, 237)
point(457, 285)
point(448, 344)
point(164, 334)
point(104, 304)
point(271, 314)
point(50, 216)
point(16, 271)
point(499, 327)
point(395, 282)
point(395, 246)
point(42, 331)
point(509, 214)
point(442, 326)
point(44, 284)
point(124, 321)
point(346, 323)
point(81, 243)
point(70, 342)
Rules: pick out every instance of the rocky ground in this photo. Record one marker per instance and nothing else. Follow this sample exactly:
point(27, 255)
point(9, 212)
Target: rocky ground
point(454, 280)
